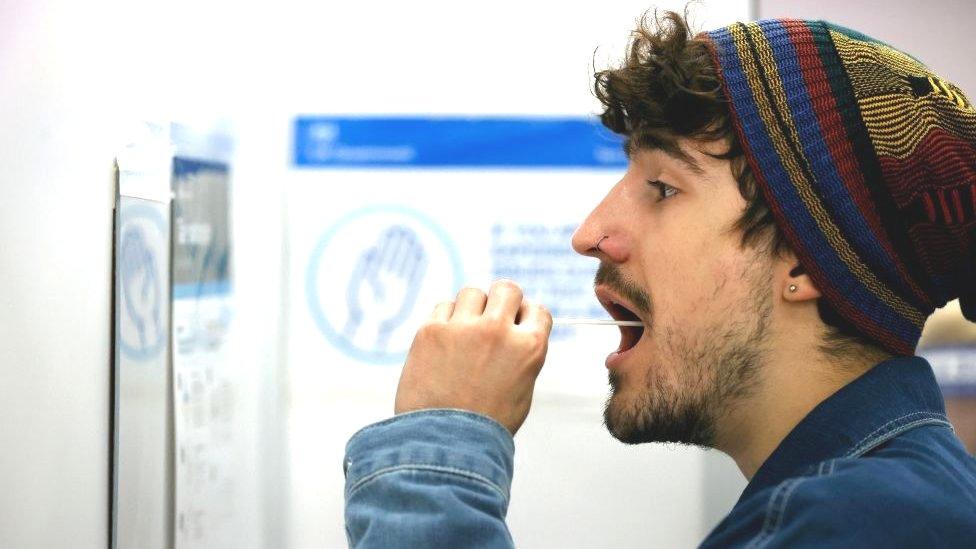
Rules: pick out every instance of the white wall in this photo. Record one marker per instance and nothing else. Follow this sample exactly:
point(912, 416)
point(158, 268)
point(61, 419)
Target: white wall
point(56, 227)
point(73, 76)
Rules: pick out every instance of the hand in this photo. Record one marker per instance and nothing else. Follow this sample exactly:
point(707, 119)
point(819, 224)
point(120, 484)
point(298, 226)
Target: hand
point(479, 353)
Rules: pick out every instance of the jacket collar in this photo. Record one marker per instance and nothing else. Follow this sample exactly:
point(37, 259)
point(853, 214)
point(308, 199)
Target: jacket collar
point(895, 395)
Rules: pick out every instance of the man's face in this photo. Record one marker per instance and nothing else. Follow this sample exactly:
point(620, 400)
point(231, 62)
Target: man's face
point(670, 257)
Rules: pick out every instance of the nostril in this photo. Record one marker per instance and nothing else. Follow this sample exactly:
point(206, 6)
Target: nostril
point(582, 242)
point(597, 245)
point(613, 247)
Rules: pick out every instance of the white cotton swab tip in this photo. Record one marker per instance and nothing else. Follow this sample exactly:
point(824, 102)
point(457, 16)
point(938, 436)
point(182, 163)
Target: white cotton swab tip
point(594, 322)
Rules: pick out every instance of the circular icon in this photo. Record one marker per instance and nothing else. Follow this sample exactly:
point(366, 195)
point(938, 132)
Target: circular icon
point(142, 238)
point(374, 277)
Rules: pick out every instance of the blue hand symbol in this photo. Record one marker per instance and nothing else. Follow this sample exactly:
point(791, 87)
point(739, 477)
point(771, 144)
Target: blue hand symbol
point(137, 259)
point(385, 282)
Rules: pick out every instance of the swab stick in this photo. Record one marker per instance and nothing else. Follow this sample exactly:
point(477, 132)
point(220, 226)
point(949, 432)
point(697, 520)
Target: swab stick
point(594, 322)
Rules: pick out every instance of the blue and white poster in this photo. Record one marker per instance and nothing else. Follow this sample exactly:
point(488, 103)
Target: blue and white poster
point(389, 216)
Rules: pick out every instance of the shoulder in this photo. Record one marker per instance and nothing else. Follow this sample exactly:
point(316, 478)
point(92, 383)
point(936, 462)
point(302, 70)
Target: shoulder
point(885, 499)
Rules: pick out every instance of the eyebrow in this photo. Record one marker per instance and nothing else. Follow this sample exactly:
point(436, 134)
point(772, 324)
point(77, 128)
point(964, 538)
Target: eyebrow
point(678, 155)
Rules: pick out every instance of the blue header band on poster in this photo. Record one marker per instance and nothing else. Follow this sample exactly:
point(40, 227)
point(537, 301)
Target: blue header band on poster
point(444, 142)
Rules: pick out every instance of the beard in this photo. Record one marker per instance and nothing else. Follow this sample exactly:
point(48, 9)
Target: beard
point(715, 368)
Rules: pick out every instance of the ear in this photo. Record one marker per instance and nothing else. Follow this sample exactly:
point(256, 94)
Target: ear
point(797, 286)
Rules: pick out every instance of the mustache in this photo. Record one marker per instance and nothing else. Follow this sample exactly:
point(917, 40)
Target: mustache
point(611, 276)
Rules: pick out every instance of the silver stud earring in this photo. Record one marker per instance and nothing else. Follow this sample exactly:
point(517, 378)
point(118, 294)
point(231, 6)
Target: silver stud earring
point(792, 288)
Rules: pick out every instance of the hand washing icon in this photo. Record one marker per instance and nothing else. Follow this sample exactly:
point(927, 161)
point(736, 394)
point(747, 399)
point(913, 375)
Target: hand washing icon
point(142, 329)
point(384, 284)
point(140, 286)
point(373, 278)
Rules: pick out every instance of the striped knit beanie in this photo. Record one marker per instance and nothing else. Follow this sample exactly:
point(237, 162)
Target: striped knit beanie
point(868, 162)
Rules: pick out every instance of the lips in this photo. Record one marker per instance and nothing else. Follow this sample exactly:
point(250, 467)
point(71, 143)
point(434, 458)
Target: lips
point(621, 309)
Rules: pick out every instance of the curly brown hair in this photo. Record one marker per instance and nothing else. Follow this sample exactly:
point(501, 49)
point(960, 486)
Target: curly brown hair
point(668, 88)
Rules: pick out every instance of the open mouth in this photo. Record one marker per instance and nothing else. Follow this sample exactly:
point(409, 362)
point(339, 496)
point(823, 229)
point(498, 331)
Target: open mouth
point(629, 335)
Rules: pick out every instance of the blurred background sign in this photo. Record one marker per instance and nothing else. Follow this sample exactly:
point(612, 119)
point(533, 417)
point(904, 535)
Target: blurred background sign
point(206, 384)
point(142, 434)
point(949, 344)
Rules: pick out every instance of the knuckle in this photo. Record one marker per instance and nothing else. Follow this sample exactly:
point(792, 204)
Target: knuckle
point(471, 291)
point(539, 340)
point(431, 331)
point(543, 320)
point(535, 346)
point(425, 332)
point(505, 284)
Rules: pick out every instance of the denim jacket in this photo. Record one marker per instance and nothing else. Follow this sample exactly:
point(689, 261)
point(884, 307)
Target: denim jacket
point(874, 465)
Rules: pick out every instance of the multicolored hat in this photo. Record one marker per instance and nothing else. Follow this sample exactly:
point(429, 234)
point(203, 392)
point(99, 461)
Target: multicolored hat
point(868, 161)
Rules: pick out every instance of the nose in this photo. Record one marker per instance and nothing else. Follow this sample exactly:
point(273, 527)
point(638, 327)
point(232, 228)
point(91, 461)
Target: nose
point(602, 234)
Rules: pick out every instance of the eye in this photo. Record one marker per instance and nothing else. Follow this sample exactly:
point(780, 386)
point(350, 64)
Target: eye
point(665, 191)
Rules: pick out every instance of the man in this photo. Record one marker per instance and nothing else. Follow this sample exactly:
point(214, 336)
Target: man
point(799, 198)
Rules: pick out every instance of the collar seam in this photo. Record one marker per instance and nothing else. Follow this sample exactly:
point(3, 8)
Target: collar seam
point(895, 427)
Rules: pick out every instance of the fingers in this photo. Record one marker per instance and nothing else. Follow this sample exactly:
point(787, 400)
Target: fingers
point(504, 300)
point(442, 312)
point(470, 304)
point(535, 317)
